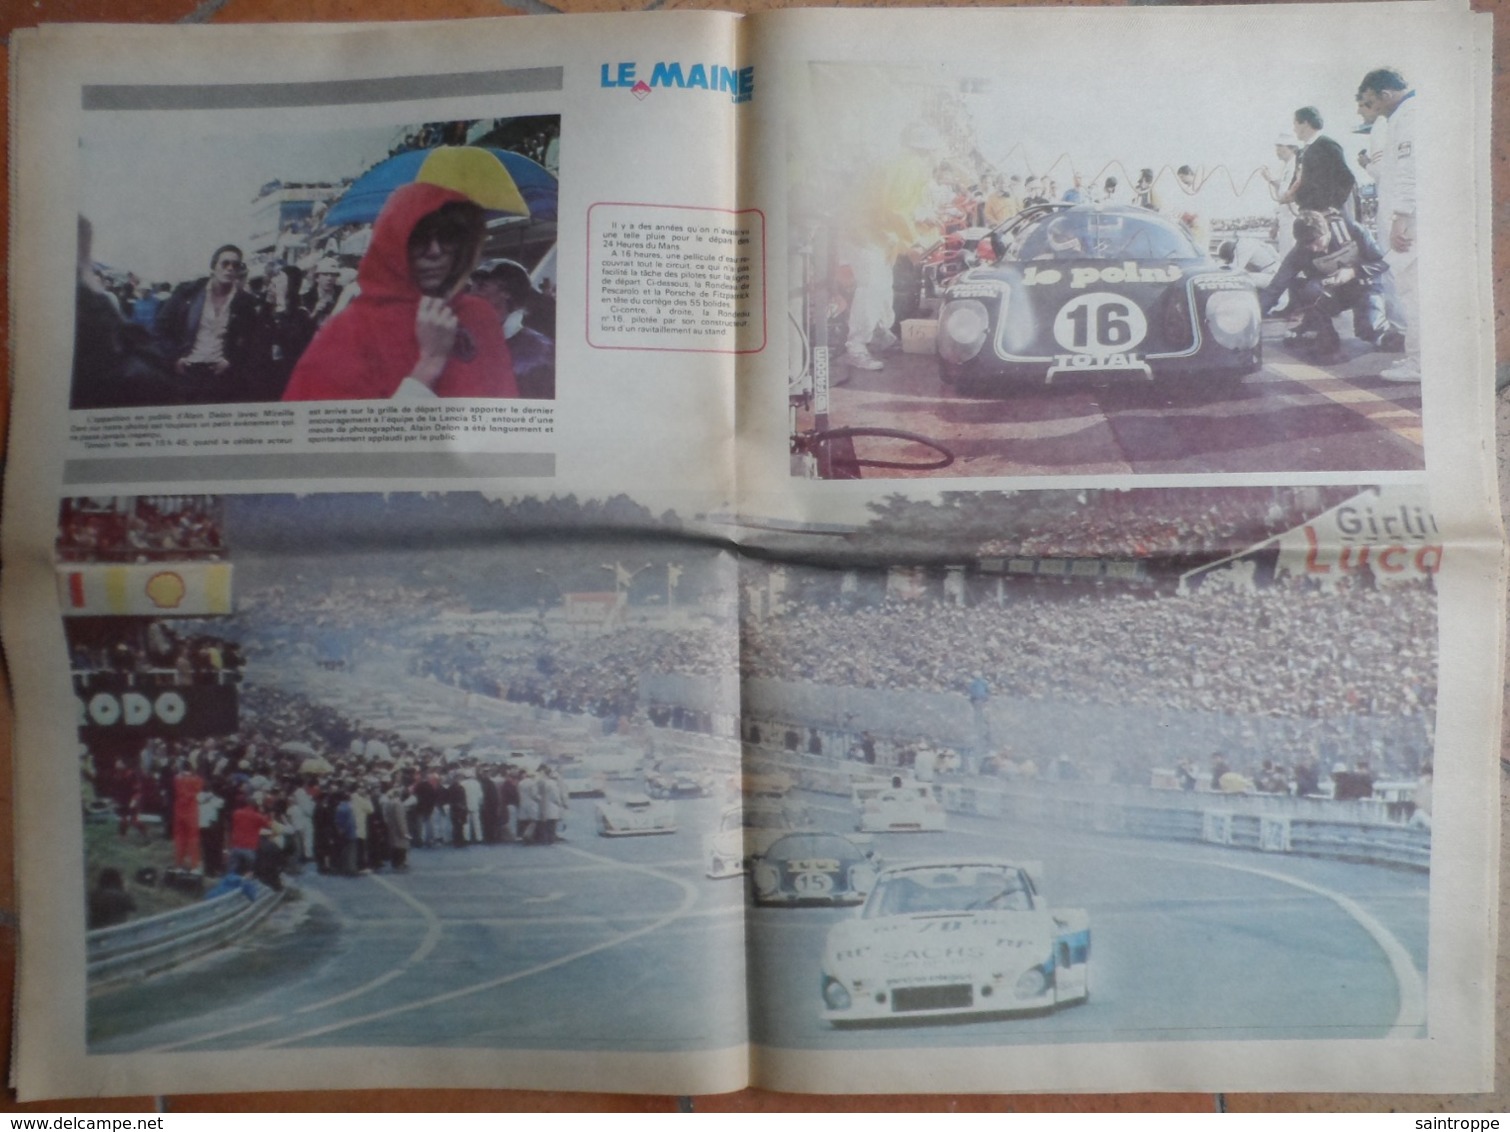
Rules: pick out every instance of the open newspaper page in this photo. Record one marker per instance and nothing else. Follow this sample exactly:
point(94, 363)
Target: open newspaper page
point(377, 677)
point(1126, 617)
point(395, 709)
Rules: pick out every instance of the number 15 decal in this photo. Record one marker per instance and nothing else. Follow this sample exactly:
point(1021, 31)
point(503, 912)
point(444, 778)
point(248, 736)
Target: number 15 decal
point(1100, 323)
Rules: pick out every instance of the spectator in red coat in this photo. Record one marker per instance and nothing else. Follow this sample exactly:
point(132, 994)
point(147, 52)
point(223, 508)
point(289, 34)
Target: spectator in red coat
point(412, 332)
point(247, 824)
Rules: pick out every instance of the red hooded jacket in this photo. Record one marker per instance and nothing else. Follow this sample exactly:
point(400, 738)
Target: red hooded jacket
point(366, 350)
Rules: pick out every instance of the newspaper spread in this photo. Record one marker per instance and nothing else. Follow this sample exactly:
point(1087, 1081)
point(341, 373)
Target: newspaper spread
point(856, 552)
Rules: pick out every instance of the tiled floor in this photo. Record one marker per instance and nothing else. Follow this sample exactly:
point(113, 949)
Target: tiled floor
point(21, 13)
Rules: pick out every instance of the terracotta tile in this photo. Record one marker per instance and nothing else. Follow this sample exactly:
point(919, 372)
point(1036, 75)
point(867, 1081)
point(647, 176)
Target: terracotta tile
point(33, 12)
point(759, 1100)
point(25, 14)
point(422, 1100)
point(278, 11)
point(6, 885)
point(1500, 171)
point(768, 5)
point(8, 1103)
point(624, 5)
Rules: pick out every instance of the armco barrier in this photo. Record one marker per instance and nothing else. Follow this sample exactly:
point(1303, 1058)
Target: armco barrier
point(155, 942)
point(1260, 823)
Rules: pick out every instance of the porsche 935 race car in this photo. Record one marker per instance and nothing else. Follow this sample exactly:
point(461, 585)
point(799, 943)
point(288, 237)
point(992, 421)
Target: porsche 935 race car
point(901, 806)
point(1110, 292)
point(942, 939)
point(747, 829)
point(634, 815)
point(813, 868)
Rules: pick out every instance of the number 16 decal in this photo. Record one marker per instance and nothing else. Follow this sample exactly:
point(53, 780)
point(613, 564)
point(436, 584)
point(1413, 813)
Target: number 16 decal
point(1100, 323)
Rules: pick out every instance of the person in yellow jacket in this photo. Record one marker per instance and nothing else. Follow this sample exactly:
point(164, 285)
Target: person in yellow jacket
point(888, 217)
point(1001, 202)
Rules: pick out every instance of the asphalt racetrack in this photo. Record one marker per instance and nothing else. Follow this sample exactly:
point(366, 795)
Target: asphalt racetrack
point(624, 944)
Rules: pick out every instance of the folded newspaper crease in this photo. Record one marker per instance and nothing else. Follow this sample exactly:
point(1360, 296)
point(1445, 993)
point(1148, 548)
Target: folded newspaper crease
point(663, 553)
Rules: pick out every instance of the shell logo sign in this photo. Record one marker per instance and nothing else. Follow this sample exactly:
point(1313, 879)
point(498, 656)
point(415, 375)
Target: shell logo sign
point(186, 589)
point(166, 590)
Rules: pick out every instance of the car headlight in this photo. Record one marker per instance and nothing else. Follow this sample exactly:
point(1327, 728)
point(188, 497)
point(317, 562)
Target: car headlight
point(1032, 983)
point(766, 878)
point(962, 330)
point(861, 878)
point(835, 997)
point(1233, 318)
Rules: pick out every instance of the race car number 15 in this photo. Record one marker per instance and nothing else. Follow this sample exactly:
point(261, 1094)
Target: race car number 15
point(1100, 323)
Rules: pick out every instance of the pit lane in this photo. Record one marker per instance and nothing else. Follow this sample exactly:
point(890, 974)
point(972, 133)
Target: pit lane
point(1290, 416)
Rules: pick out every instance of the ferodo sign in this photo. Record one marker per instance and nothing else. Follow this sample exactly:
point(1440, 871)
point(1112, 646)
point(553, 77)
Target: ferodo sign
point(187, 712)
point(133, 709)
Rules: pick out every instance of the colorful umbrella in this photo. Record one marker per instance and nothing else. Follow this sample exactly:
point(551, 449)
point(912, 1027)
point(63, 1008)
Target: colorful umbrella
point(498, 179)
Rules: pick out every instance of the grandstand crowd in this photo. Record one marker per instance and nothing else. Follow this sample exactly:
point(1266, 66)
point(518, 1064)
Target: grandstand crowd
point(141, 528)
point(1183, 522)
point(1287, 650)
point(595, 675)
point(304, 783)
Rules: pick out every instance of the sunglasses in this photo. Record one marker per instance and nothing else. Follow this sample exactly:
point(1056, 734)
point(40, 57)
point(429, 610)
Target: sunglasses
point(447, 235)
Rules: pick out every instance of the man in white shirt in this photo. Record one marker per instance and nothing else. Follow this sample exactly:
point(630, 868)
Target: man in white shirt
point(1386, 94)
point(212, 331)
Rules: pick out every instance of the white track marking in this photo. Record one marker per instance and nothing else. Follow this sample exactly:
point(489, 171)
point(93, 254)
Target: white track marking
point(689, 898)
point(433, 931)
point(1411, 1016)
point(1371, 406)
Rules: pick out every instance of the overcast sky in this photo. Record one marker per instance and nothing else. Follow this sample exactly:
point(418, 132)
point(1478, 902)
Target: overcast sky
point(1029, 120)
point(162, 197)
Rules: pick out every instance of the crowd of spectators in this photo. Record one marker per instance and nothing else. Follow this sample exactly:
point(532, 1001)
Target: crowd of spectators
point(302, 602)
point(141, 528)
point(138, 344)
point(106, 653)
point(598, 674)
point(1287, 650)
point(237, 333)
point(1154, 523)
point(300, 784)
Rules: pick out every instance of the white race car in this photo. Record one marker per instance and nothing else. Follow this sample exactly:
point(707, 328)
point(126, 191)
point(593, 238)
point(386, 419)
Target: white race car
point(955, 939)
point(580, 780)
point(765, 783)
point(633, 815)
point(746, 830)
point(900, 807)
point(614, 763)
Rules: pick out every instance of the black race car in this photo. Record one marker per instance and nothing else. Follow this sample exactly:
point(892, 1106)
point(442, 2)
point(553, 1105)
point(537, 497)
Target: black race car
point(813, 868)
point(1111, 293)
point(679, 777)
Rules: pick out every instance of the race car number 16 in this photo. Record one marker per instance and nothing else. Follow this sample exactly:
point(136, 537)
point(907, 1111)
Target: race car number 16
point(1100, 323)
